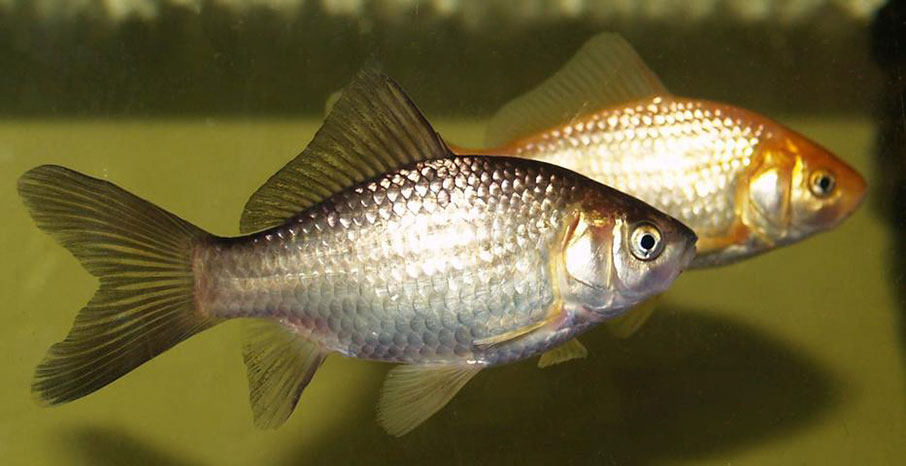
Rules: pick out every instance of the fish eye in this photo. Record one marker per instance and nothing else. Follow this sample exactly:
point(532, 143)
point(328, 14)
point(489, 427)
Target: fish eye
point(821, 183)
point(646, 242)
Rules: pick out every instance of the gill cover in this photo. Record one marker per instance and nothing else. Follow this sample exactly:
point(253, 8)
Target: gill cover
point(767, 198)
point(588, 261)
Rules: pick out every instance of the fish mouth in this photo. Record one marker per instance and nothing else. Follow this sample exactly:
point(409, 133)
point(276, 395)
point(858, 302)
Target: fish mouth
point(690, 253)
point(854, 190)
point(857, 198)
point(689, 246)
point(833, 216)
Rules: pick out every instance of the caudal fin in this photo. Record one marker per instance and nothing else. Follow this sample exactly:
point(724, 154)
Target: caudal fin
point(143, 258)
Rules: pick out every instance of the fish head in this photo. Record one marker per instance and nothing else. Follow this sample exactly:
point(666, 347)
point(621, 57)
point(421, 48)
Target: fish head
point(825, 190)
point(617, 255)
point(797, 189)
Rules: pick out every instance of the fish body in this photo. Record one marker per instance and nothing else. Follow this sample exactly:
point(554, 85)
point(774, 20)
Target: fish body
point(420, 264)
point(376, 243)
point(743, 182)
point(684, 155)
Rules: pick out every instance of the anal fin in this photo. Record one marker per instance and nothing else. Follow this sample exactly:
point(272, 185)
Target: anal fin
point(572, 349)
point(411, 394)
point(280, 365)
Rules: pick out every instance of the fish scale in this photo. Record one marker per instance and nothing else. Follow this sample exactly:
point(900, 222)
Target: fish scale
point(347, 271)
point(675, 154)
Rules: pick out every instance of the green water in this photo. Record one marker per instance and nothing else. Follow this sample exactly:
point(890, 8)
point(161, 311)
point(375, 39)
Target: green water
point(794, 357)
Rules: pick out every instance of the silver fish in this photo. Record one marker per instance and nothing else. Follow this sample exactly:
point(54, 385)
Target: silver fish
point(376, 243)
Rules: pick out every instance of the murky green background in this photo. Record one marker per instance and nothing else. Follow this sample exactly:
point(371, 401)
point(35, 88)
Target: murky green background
point(797, 357)
point(791, 358)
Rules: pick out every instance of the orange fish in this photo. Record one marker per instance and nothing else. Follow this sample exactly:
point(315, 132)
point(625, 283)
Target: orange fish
point(743, 182)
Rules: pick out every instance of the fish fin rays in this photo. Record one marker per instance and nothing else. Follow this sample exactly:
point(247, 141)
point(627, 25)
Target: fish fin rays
point(494, 340)
point(142, 256)
point(372, 128)
point(280, 364)
point(632, 320)
point(606, 71)
point(485, 343)
point(412, 393)
point(331, 101)
point(572, 349)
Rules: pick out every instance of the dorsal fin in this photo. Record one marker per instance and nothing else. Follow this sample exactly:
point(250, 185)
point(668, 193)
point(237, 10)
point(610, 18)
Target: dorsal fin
point(606, 71)
point(373, 128)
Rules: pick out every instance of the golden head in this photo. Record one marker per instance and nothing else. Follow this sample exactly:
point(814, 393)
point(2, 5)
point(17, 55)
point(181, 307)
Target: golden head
point(797, 188)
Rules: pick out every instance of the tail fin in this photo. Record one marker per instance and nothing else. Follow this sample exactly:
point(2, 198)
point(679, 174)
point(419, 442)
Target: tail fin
point(143, 258)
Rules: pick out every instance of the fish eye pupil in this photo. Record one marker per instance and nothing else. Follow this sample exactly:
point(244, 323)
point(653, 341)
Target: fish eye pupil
point(822, 183)
point(646, 243)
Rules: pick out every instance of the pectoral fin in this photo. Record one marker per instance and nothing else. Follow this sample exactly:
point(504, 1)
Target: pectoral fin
point(488, 342)
point(572, 349)
point(411, 394)
point(280, 365)
point(554, 312)
point(627, 324)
